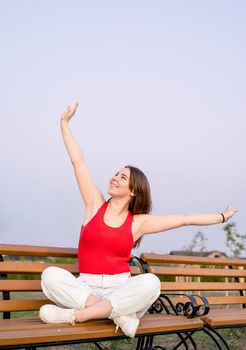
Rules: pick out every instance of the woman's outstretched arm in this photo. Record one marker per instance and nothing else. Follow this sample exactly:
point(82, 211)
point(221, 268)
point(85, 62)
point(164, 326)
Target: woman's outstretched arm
point(153, 224)
point(91, 195)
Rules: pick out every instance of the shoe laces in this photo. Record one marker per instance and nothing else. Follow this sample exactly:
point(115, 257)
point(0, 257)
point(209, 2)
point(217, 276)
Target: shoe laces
point(117, 326)
point(72, 319)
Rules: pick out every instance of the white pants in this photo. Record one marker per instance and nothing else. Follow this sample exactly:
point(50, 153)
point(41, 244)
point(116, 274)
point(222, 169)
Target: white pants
point(126, 294)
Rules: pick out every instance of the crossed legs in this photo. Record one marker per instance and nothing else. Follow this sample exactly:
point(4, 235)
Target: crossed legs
point(94, 308)
point(131, 298)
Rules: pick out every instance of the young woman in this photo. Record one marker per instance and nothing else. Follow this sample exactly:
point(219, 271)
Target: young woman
point(105, 288)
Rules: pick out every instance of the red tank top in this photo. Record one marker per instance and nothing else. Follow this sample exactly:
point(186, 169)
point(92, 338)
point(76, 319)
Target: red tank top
point(104, 249)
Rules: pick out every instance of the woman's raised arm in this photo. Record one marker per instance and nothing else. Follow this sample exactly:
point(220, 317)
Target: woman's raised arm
point(91, 195)
point(153, 224)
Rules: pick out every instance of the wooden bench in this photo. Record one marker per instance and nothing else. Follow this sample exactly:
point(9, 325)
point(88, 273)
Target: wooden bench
point(20, 327)
point(221, 280)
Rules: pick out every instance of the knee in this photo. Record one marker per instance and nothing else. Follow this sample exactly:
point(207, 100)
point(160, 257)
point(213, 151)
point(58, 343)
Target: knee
point(152, 284)
point(50, 275)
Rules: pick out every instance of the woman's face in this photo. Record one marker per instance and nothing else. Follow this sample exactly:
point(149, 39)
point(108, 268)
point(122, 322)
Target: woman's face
point(119, 184)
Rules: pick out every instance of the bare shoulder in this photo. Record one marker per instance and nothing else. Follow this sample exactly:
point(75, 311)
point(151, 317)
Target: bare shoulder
point(139, 218)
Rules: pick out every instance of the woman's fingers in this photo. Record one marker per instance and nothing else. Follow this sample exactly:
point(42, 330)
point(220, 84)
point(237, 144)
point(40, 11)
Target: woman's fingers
point(230, 211)
point(74, 108)
point(69, 112)
point(231, 207)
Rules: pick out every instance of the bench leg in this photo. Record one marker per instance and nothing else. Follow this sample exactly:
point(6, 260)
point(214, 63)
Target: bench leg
point(98, 346)
point(146, 342)
point(188, 336)
point(211, 332)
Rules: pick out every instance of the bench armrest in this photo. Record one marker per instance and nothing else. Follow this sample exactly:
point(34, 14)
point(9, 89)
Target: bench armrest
point(189, 309)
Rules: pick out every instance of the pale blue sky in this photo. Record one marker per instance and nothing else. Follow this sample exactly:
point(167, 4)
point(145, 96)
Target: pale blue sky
point(161, 85)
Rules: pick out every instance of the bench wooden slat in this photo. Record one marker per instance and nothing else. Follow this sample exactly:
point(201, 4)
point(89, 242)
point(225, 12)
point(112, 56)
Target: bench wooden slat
point(30, 332)
point(33, 267)
point(28, 250)
point(20, 285)
point(224, 312)
point(201, 286)
point(22, 305)
point(226, 319)
point(227, 300)
point(183, 259)
point(192, 271)
point(20, 323)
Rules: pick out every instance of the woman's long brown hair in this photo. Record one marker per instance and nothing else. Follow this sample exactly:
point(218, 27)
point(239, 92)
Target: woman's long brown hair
point(141, 203)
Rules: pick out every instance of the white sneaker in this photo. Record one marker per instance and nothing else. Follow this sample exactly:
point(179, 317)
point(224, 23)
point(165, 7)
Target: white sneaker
point(54, 314)
point(128, 324)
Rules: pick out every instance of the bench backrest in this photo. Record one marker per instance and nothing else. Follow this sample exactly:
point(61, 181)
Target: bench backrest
point(20, 270)
point(222, 280)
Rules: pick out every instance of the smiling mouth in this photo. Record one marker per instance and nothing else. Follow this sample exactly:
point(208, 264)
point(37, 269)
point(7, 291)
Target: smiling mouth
point(113, 185)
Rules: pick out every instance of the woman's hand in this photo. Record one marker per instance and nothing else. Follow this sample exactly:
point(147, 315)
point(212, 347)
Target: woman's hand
point(229, 211)
point(69, 113)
